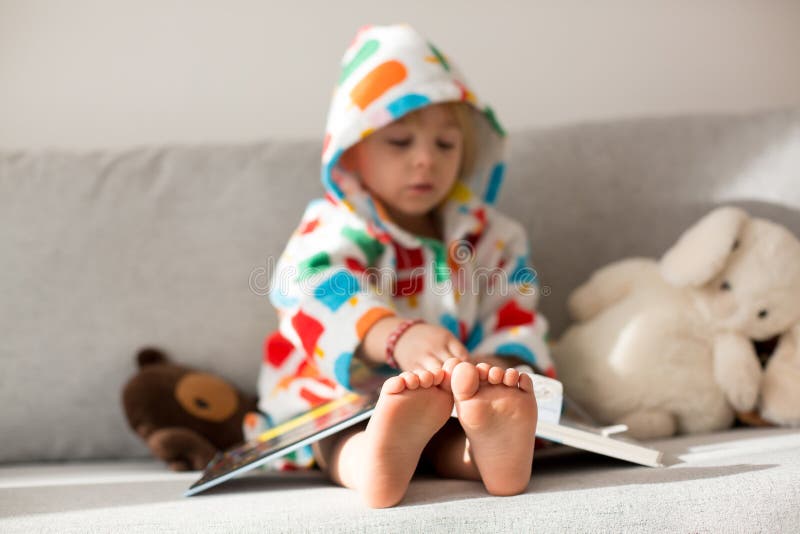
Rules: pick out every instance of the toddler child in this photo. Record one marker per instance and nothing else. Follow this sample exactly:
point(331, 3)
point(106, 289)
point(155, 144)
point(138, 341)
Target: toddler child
point(405, 269)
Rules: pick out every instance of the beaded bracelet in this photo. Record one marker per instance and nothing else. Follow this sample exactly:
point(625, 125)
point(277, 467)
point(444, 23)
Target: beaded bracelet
point(391, 341)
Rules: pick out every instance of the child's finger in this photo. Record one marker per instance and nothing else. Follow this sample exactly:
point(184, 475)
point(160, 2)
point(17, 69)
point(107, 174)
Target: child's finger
point(449, 365)
point(442, 355)
point(458, 350)
point(431, 362)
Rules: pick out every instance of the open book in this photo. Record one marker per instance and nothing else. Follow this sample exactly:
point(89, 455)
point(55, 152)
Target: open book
point(336, 415)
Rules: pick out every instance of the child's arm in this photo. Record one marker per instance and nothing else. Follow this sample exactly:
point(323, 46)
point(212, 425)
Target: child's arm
point(508, 325)
point(325, 301)
point(372, 349)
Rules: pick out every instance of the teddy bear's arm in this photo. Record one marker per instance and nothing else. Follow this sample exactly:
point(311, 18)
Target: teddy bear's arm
point(181, 448)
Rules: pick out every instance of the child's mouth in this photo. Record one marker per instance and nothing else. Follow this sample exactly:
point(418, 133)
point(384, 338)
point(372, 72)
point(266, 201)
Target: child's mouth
point(421, 188)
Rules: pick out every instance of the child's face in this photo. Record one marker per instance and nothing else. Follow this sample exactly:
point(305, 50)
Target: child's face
point(412, 163)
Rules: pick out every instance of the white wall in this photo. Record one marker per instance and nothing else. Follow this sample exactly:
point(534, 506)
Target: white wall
point(100, 73)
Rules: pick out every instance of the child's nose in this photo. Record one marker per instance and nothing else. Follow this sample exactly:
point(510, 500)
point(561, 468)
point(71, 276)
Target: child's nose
point(423, 156)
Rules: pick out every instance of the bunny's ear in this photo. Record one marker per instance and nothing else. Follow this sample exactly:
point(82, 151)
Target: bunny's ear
point(702, 251)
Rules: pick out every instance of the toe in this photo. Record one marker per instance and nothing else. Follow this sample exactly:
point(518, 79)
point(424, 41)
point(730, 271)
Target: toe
point(464, 381)
point(525, 383)
point(438, 376)
point(394, 385)
point(511, 377)
point(447, 373)
point(495, 375)
point(425, 378)
point(411, 380)
point(483, 370)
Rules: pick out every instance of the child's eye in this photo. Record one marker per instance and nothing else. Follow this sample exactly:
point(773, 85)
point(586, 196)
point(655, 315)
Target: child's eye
point(405, 141)
point(444, 145)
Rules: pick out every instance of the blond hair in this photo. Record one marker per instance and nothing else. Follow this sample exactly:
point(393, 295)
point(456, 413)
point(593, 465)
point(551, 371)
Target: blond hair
point(463, 115)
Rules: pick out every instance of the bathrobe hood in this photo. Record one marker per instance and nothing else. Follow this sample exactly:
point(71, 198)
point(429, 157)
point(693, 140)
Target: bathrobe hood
point(386, 73)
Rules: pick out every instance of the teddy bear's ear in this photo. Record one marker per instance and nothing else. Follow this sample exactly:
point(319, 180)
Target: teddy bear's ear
point(149, 356)
point(703, 250)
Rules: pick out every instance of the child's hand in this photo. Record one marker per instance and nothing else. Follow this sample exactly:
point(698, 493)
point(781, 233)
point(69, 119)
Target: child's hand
point(506, 362)
point(427, 346)
point(421, 346)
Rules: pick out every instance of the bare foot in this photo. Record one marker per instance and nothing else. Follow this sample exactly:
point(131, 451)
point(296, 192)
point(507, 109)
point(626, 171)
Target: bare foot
point(410, 410)
point(497, 410)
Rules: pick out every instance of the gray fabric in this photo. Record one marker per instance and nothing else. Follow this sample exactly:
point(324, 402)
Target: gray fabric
point(739, 481)
point(105, 252)
point(596, 193)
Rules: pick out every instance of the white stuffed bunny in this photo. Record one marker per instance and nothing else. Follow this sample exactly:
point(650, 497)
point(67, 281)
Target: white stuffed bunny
point(668, 347)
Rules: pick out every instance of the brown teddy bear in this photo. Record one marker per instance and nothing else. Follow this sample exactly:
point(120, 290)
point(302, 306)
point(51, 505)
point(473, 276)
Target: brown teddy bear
point(184, 416)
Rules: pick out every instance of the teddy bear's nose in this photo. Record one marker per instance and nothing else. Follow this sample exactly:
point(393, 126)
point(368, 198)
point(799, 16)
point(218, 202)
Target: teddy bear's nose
point(762, 314)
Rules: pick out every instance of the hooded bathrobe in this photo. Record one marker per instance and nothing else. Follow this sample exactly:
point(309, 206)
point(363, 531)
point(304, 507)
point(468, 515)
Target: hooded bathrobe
point(347, 265)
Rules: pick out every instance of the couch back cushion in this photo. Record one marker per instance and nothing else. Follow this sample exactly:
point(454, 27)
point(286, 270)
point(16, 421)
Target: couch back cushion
point(107, 252)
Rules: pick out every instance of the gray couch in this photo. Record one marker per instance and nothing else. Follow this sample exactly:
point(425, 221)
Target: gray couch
point(104, 252)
